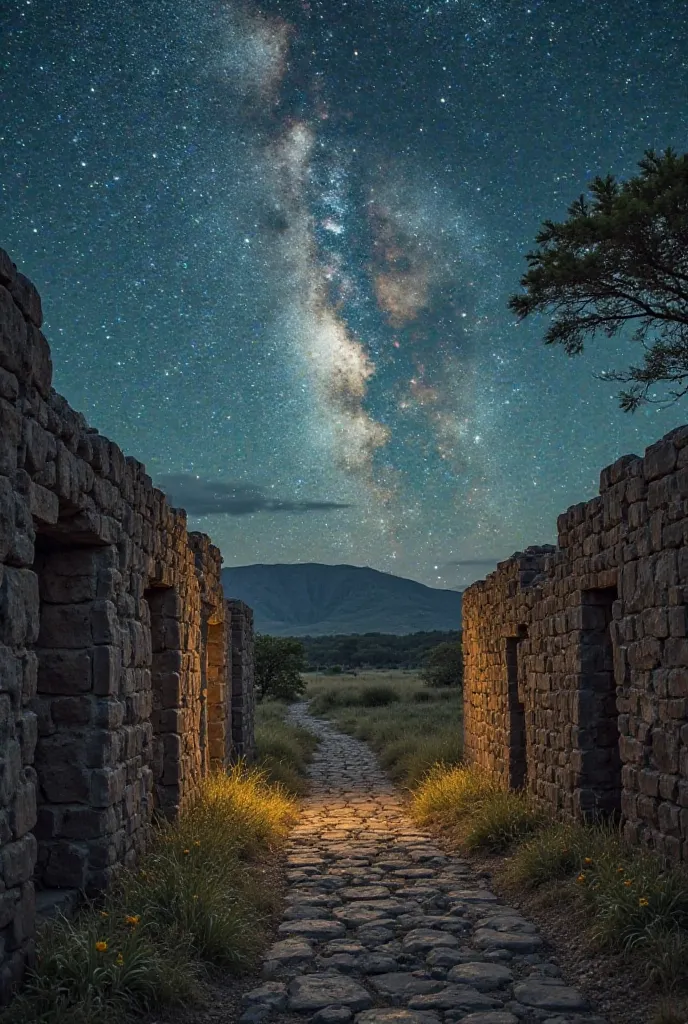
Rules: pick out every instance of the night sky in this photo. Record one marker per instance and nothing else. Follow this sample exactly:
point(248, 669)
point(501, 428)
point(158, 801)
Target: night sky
point(275, 244)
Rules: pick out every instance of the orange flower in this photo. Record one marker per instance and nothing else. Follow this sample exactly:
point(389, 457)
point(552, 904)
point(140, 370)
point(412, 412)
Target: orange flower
point(588, 860)
point(628, 883)
point(643, 902)
point(101, 946)
point(186, 851)
point(132, 919)
point(104, 913)
point(581, 878)
point(620, 870)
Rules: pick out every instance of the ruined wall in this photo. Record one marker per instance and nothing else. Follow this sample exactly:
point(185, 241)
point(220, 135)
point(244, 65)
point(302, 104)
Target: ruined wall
point(586, 647)
point(114, 645)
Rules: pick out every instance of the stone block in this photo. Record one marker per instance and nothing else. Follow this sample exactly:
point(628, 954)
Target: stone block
point(63, 671)
point(67, 866)
point(18, 859)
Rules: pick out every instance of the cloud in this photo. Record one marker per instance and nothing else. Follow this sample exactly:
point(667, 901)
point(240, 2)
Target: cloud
point(212, 497)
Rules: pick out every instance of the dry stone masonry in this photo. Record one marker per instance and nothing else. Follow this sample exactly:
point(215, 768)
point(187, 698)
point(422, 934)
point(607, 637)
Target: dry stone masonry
point(382, 927)
point(124, 675)
point(576, 657)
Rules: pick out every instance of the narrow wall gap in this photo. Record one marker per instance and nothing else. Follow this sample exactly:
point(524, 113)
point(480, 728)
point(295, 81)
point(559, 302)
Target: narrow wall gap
point(598, 728)
point(71, 575)
point(518, 765)
point(168, 716)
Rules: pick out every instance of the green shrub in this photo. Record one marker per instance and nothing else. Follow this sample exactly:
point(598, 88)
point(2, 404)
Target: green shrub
point(377, 696)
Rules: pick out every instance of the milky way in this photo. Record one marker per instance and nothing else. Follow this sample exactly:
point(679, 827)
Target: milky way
point(275, 244)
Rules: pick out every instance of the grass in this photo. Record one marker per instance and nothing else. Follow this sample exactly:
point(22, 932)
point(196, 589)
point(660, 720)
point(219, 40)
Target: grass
point(283, 750)
point(631, 902)
point(478, 813)
point(636, 904)
point(194, 903)
point(408, 724)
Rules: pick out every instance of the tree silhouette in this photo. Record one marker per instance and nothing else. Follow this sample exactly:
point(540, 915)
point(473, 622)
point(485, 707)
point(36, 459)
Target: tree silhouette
point(620, 259)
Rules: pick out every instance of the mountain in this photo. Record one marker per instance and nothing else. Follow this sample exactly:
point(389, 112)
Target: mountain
point(319, 600)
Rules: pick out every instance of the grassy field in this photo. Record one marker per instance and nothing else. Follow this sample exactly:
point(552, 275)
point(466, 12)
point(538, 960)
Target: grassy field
point(410, 725)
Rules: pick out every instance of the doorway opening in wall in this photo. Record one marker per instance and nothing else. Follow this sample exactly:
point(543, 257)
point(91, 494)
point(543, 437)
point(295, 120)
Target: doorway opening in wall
point(69, 568)
point(518, 765)
point(166, 685)
point(600, 777)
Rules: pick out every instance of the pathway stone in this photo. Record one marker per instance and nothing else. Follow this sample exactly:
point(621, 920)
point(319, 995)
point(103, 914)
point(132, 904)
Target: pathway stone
point(382, 927)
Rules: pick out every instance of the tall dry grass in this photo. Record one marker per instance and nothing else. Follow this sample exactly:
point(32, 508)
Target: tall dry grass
point(194, 903)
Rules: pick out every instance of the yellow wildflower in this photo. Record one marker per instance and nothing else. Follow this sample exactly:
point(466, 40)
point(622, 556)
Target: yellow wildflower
point(132, 919)
point(197, 842)
point(620, 870)
point(101, 946)
point(581, 878)
point(104, 913)
point(186, 851)
point(588, 860)
point(628, 882)
point(643, 902)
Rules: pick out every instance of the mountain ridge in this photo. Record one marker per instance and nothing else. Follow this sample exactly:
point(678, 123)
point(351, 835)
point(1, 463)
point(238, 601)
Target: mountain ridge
point(314, 599)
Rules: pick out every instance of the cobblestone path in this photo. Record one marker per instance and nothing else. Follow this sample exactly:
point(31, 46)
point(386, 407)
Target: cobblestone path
point(383, 927)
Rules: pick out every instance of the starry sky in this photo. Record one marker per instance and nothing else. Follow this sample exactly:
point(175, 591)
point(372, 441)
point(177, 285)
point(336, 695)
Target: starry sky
point(275, 244)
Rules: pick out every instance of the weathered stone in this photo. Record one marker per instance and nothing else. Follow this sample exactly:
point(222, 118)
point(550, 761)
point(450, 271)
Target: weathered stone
point(395, 1015)
point(546, 996)
point(271, 993)
point(290, 950)
point(311, 928)
point(484, 977)
point(455, 997)
point(403, 984)
point(420, 940)
point(316, 991)
point(516, 942)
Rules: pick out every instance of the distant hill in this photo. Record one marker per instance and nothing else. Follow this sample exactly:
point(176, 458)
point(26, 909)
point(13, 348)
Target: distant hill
point(320, 600)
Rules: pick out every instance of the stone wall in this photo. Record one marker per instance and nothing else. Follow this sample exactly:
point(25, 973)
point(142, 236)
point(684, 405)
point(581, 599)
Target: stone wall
point(114, 646)
point(576, 657)
point(243, 693)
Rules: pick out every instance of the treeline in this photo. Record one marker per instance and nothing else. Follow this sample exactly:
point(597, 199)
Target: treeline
point(372, 650)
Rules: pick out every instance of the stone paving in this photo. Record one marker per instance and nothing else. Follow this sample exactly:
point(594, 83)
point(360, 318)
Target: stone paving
point(382, 927)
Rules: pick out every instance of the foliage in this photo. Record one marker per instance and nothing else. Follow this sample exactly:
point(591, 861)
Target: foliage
point(444, 665)
point(372, 650)
point(620, 260)
point(192, 903)
point(278, 667)
point(635, 904)
point(475, 809)
point(409, 735)
point(283, 750)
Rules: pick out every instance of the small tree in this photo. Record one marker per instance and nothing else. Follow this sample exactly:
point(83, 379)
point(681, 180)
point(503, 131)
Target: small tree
point(279, 662)
point(620, 259)
point(444, 665)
